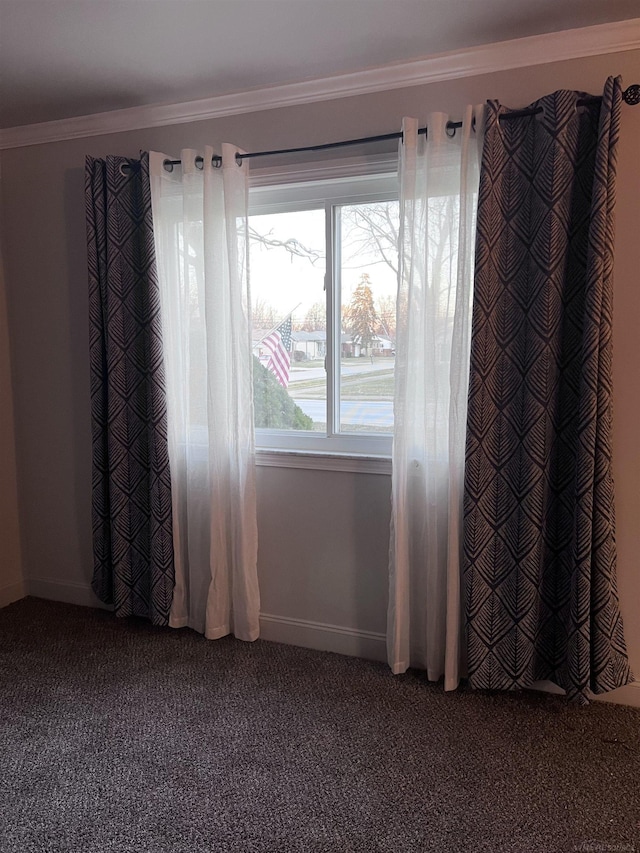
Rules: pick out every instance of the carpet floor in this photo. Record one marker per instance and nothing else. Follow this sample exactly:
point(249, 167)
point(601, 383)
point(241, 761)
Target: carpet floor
point(117, 736)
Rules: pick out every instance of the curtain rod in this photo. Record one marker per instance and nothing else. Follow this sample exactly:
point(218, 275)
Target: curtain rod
point(631, 96)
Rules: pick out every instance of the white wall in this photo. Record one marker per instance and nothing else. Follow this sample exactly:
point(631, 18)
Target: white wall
point(323, 535)
point(11, 584)
point(323, 554)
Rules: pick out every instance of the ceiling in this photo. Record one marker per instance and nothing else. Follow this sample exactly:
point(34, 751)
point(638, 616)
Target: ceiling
point(63, 58)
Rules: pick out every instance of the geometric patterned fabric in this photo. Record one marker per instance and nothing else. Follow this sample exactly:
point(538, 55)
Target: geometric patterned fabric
point(131, 489)
point(539, 526)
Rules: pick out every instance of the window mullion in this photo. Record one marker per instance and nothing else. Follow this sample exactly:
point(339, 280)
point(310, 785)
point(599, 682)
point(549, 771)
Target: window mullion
point(332, 285)
point(328, 293)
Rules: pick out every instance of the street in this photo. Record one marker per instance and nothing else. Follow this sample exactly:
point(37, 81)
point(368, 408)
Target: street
point(369, 413)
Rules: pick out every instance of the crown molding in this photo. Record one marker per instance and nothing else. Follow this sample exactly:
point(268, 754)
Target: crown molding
point(470, 62)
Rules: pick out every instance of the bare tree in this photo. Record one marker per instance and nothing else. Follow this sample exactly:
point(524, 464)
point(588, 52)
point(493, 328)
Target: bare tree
point(291, 245)
point(368, 230)
point(263, 315)
point(386, 310)
point(370, 234)
point(315, 318)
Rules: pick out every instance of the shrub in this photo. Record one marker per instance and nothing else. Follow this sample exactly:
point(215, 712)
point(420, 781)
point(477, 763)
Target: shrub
point(274, 408)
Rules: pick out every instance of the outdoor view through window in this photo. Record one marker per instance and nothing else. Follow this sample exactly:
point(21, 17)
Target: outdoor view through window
point(289, 318)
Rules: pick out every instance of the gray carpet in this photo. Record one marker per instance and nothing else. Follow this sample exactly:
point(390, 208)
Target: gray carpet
point(117, 736)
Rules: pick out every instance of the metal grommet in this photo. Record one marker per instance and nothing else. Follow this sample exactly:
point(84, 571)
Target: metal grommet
point(238, 158)
point(168, 166)
point(125, 169)
point(216, 161)
point(450, 129)
point(199, 162)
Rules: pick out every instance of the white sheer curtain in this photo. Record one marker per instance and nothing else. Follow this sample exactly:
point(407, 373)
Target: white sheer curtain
point(200, 224)
point(438, 196)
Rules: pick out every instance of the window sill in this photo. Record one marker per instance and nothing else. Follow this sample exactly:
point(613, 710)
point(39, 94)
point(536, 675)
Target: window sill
point(323, 461)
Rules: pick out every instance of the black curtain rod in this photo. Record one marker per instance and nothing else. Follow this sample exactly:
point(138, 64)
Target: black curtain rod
point(630, 96)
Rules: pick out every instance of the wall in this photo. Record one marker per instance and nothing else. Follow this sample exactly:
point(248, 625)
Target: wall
point(323, 535)
point(11, 584)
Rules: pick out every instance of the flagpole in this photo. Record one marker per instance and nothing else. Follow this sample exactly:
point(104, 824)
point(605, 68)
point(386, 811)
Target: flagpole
point(277, 326)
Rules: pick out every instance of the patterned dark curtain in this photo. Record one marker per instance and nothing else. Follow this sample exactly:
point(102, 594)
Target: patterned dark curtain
point(131, 501)
point(539, 537)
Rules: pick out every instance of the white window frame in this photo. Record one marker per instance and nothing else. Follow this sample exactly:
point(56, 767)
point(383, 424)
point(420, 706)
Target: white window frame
point(326, 187)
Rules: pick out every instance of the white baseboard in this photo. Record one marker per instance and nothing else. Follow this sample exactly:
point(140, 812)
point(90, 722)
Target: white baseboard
point(70, 592)
point(628, 695)
point(323, 637)
point(279, 629)
point(12, 592)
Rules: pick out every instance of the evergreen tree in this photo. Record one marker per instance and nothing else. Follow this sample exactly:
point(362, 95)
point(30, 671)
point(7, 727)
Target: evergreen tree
point(361, 315)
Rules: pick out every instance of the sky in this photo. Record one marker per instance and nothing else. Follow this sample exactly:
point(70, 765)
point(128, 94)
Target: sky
point(289, 282)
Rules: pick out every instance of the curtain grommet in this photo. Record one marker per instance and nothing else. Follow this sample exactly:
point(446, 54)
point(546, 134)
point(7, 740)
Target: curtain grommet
point(199, 161)
point(167, 166)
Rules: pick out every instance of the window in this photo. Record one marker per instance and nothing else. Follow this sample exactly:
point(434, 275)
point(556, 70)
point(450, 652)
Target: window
point(323, 263)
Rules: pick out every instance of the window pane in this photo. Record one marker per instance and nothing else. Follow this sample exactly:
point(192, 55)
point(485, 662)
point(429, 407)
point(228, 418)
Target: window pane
point(289, 329)
point(368, 280)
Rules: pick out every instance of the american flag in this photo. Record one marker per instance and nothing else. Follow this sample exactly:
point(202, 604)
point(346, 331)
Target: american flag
point(278, 343)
